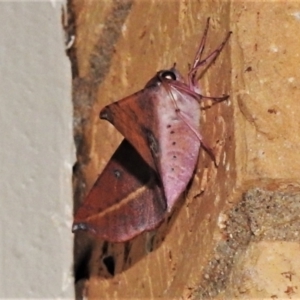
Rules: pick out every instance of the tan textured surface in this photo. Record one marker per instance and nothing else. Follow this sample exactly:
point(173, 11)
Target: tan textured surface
point(267, 269)
point(261, 241)
point(267, 116)
point(255, 135)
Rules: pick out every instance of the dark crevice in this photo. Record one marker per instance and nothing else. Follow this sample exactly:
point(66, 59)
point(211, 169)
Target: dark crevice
point(109, 262)
point(81, 268)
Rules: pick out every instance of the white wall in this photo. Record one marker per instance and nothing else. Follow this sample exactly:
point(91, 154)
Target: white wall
point(36, 153)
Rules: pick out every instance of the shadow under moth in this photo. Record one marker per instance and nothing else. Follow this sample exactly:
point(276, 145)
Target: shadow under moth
point(154, 163)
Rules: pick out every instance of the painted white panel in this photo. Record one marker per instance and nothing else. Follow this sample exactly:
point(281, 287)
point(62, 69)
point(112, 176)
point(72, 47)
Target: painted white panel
point(36, 153)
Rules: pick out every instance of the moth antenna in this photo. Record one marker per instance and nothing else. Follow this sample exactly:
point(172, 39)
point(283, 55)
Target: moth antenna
point(208, 60)
point(197, 59)
point(202, 45)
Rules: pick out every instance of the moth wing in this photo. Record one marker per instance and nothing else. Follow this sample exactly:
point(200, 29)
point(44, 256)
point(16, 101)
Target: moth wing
point(132, 117)
point(178, 125)
point(160, 122)
point(126, 200)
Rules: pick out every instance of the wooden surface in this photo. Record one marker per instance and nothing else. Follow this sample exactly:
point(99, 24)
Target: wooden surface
point(119, 45)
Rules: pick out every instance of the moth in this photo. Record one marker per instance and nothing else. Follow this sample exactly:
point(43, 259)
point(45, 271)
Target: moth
point(152, 166)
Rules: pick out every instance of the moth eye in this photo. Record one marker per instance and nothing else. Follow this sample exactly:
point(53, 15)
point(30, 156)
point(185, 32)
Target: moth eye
point(168, 75)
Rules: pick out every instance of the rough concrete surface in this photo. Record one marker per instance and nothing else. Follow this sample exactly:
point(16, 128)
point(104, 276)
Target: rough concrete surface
point(202, 250)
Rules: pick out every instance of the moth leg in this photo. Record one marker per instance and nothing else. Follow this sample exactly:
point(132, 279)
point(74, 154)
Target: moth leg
point(206, 61)
point(215, 99)
point(197, 96)
point(204, 145)
point(210, 152)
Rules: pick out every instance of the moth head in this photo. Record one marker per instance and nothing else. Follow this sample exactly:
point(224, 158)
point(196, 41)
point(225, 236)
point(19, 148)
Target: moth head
point(167, 74)
point(170, 74)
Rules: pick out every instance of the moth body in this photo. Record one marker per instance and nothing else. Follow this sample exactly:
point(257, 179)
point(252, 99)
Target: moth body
point(153, 165)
